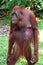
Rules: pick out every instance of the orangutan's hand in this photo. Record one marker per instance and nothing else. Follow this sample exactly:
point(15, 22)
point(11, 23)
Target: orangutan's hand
point(34, 59)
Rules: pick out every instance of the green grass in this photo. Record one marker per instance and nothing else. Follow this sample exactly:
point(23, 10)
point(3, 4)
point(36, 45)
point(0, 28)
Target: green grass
point(21, 61)
point(40, 24)
point(3, 49)
point(40, 62)
point(5, 21)
point(3, 53)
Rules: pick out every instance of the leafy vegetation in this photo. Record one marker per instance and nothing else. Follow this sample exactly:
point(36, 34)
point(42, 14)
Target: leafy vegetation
point(35, 5)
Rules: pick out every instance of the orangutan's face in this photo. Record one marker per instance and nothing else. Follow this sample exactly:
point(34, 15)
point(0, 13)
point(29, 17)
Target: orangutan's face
point(14, 18)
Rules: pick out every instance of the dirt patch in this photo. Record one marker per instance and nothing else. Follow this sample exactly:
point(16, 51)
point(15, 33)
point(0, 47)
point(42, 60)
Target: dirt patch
point(4, 30)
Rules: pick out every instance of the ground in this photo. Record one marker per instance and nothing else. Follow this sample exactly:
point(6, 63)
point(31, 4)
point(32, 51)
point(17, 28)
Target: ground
point(4, 33)
point(4, 29)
